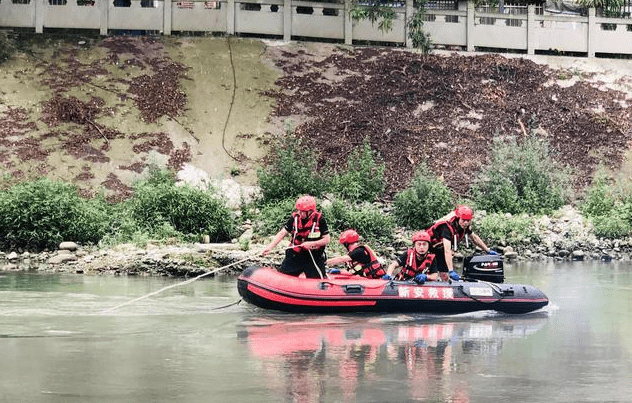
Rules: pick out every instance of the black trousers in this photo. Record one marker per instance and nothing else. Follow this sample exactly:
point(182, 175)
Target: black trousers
point(440, 259)
point(296, 263)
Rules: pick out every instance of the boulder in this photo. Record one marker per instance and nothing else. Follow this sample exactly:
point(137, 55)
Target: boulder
point(68, 246)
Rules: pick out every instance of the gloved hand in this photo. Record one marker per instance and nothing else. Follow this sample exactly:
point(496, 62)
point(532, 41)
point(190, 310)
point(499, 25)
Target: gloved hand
point(421, 278)
point(386, 277)
point(492, 252)
point(333, 271)
point(454, 276)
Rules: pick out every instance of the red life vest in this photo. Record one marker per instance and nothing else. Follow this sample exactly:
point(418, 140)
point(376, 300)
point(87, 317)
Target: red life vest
point(372, 270)
point(302, 231)
point(437, 242)
point(411, 268)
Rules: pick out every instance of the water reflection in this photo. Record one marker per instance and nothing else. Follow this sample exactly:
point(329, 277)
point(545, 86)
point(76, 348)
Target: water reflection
point(422, 357)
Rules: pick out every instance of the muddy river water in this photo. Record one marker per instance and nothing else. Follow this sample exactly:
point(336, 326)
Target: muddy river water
point(60, 343)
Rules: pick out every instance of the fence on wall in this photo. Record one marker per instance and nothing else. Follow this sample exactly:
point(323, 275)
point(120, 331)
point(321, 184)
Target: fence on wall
point(449, 23)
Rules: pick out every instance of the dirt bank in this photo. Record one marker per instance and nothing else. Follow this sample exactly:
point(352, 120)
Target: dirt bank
point(97, 111)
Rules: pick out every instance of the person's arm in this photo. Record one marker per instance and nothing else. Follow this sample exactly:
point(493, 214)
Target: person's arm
point(479, 242)
point(447, 250)
point(321, 243)
point(338, 260)
point(278, 237)
point(392, 267)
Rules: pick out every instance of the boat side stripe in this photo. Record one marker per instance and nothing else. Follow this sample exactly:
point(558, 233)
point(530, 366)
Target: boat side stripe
point(295, 301)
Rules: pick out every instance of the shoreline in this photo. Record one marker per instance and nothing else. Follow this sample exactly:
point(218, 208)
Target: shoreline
point(566, 238)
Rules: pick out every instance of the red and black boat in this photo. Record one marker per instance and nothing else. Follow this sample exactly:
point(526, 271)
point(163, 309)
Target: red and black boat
point(482, 289)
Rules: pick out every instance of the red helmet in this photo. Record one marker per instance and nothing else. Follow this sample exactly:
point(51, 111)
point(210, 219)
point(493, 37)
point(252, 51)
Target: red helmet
point(464, 212)
point(421, 236)
point(306, 203)
point(349, 236)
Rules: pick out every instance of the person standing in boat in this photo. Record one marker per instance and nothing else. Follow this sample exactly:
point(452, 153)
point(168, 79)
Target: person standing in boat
point(360, 259)
point(447, 233)
point(310, 235)
point(416, 263)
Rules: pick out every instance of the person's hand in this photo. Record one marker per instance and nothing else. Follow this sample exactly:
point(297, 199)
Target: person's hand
point(454, 276)
point(386, 277)
point(421, 278)
point(333, 271)
point(265, 251)
point(492, 252)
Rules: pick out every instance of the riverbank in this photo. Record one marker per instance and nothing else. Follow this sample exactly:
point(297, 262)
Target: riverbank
point(564, 236)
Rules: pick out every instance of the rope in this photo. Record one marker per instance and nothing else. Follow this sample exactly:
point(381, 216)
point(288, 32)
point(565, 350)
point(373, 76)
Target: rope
point(175, 285)
point(232, 100)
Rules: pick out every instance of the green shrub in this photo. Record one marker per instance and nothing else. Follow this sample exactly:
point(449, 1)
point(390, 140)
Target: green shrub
point(370, 222)
point(423, 202)
point(599, 200)
point(514, 230)
point(522, 179)
point(43, 213)
point(273, 215)
point(291, 172)
point(611, 226)
point(363, 179)
point(158, 201)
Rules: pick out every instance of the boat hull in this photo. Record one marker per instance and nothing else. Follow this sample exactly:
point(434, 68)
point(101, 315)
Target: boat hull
point(267, 288)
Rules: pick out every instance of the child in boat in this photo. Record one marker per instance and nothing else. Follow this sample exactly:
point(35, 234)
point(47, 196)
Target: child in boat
point(360, 259)
point(310, 235)
point(416, 263)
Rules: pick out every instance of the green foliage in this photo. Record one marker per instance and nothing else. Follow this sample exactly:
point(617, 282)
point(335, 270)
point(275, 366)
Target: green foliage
point(611, 226)
point(273, 215)
point(291, 172)
point(599, 200)
point(163, 208)
point(370, 222)
point(43, 213)
point(363, 179)
point(515, 230)
point(610, 8)
point(421, 39)
point(374, 11)
point(423, 202)
point(522, 179)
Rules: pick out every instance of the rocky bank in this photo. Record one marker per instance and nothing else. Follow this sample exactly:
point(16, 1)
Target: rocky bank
point(567, 236)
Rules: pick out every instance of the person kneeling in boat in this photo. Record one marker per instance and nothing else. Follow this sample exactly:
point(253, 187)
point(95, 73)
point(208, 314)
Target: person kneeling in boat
point(416, 263)
point(310, 235)
point(360, 260)
point(445, 236)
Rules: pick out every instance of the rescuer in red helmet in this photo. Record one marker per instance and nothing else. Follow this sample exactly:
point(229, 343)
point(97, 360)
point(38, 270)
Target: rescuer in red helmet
point(416, 263)
point(445, 236)
point(310, 235)
point(360, 260)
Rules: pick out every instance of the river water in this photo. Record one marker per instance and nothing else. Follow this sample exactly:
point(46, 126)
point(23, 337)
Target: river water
point(61, 341)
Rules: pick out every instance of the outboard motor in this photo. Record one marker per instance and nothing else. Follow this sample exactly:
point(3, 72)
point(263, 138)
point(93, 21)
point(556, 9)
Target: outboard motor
point(485, 268)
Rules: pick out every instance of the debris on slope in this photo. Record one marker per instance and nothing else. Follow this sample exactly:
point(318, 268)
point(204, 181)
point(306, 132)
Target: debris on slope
point(446, 111)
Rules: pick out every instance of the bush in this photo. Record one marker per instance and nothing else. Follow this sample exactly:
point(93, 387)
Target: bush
point(599, 200)
point(501, 229)
point(522, 179)
point(363, 179)
point(43, 213)
point(370, 222)
point(158, 201)
point(290, 173)
point(611, 226)
point(424, 201)
point(273, 215)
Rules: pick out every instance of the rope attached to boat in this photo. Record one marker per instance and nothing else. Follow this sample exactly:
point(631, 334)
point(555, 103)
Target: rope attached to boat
point(492, 286)
point(176, 285)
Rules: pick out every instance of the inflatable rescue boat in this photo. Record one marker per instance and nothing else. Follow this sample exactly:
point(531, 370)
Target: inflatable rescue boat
point(482, 288)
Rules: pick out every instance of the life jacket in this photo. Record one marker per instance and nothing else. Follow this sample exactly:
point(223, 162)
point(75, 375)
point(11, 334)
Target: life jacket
point(411, 268)
point(436, 242)
point(372, 270)
point(303, 231)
